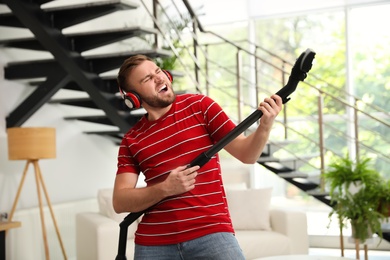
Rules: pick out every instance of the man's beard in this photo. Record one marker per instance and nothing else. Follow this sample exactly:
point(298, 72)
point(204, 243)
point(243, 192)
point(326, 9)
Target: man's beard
point(157, 102)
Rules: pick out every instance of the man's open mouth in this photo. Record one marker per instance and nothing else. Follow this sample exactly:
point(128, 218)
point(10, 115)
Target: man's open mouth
point(163, 89)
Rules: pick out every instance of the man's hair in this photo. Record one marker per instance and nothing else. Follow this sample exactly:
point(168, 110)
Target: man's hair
point(128, 65)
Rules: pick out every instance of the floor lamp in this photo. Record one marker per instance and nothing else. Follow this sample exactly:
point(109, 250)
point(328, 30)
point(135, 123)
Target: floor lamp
point(33, 144)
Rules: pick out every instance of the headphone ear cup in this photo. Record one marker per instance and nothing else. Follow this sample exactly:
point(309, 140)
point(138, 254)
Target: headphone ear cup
point(132, 100)
point(169, 75)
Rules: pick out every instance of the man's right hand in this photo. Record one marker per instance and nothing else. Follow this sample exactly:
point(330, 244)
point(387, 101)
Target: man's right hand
point(128, 198)
point(180, 180)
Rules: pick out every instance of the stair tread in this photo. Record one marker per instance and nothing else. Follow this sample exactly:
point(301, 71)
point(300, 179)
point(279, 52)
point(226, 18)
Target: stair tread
point(292, 175)
point(81, 117)
point(87, 33)
point(273, 146)
point(302, 180)
point(284, 159)
point(75, 99)
point(65, 15)
point(263, 159)
point(111, 30)
point(60, 100)
point(317, 192)
point(104, 119)
point(89, 116)
point(97, 64)
point(158, 52)
point(126, 4)
point(153, 52)
point(94, 116)
point(302, 183)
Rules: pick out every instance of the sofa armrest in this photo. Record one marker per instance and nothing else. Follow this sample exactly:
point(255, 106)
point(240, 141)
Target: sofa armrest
point(97, 236)
point(293, 224)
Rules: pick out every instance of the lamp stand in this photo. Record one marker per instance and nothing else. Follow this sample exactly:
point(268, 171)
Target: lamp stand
point(40, 184)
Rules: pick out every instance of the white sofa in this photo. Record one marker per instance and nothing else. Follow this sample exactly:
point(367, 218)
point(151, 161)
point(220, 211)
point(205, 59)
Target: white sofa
point(260, 230)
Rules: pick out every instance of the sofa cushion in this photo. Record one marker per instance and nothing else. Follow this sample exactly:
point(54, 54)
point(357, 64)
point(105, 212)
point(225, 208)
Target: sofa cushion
point(249, 209)
point(105, 205)
point(106, 208)
point(257, 244)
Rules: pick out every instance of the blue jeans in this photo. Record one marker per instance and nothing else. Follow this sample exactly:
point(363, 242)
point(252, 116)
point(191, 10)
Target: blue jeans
point(217, 246)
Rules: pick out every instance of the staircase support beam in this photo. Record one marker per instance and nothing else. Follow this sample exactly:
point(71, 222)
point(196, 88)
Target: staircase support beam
point(37, 99)
point(73, 63)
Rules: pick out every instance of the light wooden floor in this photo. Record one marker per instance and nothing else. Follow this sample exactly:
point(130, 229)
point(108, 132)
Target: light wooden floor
point(350, 254)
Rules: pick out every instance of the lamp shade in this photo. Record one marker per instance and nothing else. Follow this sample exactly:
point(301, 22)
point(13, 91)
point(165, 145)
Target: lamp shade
point(31, 143)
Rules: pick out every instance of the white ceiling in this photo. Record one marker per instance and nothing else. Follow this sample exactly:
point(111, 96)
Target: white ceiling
point(264, 8)
point(225, 11)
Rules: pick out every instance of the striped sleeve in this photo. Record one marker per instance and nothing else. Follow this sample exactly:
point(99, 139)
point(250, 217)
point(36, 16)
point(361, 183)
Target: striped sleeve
point(217, 121)
point(126, 162)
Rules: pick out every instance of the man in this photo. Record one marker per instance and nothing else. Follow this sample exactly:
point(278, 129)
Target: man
point(189, 218)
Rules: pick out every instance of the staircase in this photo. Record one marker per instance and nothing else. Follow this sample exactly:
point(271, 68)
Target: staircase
point(69, 68)
point(74, 66)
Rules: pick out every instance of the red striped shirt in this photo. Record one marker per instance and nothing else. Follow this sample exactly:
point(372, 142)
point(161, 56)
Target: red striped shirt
point(193, 124)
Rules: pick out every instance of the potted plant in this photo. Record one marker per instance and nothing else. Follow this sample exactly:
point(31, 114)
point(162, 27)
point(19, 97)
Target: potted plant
point(355, 190)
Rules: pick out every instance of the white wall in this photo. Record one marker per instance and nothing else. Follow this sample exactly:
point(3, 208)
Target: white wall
point(84, 163)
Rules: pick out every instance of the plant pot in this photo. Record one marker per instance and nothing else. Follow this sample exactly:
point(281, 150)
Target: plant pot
point(361, 232)
point(355, 187)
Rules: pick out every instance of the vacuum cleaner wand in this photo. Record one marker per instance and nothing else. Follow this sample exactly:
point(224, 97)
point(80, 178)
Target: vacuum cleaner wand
point(298, 73)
